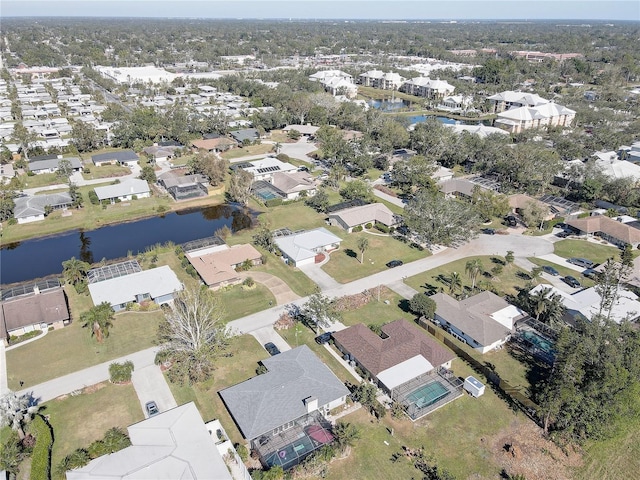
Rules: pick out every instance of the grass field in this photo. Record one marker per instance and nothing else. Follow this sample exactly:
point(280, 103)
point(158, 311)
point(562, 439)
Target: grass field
point(507, 282)
point(41, 180)
point(345, 265)
point(379, 312)
point(260, 149)
point(582, 248)
point(72, 348)
point(79, 420)
point(106, 171)
point(239, 302)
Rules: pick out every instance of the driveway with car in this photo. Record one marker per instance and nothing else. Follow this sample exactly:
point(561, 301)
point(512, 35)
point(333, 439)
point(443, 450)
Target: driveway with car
point(150, 385)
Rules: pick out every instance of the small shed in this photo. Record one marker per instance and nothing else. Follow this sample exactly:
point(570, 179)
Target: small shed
point(473, 386)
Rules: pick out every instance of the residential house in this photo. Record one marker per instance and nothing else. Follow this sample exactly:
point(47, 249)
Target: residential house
point(307, 130)
point(175, 444)
point(510, 99)
point(520, 201)
point(35, 308)
point(428, 88)
point(127, 158)
point(360, 216)
point(610, 165)
point(481, 130)
point(610, 229)
point(217, 267)
point(586, 303)
point(160, 152)
point(484, 321)
point(51, 164)
point(306, 247)
point(458, 187)
point(455, 103)
point(403, 361)
point(158, 285)
point(129, 189)
point(183, 187)
point(249, 135)
point(380, 79)
point(266, 168)
point(282, 412)
point(33, 208)
point(291, 184)
point(340, 86)
point(218, 144)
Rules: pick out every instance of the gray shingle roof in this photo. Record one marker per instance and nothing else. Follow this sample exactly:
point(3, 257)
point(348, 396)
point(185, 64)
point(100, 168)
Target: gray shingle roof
point(120, 156)
point(29, 206)
point(53, 163)
point(268, 401)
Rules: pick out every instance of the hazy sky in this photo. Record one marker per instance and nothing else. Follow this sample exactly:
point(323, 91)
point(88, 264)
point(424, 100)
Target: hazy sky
point(338, 9)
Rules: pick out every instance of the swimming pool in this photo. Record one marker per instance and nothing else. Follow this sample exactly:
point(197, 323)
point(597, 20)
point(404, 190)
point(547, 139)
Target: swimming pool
point(428, 394)
point(537, 341)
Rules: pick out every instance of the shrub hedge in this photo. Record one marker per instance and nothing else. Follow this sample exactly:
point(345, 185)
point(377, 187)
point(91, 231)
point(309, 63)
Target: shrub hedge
point(41, 456)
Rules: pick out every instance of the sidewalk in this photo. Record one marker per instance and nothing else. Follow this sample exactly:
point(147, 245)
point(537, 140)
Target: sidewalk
point(4, 386)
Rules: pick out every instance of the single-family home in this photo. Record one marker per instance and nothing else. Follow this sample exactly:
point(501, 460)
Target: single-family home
point(183, 187)
point(282, 412)
point(372, 213)
point(129, 189)
point(521, 201)
point(127, 158)
point(481, 129)
point(175, 444)
point(407, 363)
point(585, 303)
point(307, 130)
point(40, 306)
point(160, 152)
point(484, 321)
point(266, 168)
point(456, 103)
point(609, 229)
point(292, 183)
point(33, 208)
point(157, 284)
point(307, 247)
point(51, 163)
point(218, 268)
point(457, 187)
point(610, 165)
point(218, 144)
point(249, 135)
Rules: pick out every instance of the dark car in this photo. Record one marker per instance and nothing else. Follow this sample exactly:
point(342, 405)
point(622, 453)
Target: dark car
point(581, 262)
point(151, 408)
point(324, 338)
point(489, 231)
point(550, 270)
point(271, 348)
point(563, 234)
point(394, 263)
point(571, 281)
point(511, 221)
point(590, 273)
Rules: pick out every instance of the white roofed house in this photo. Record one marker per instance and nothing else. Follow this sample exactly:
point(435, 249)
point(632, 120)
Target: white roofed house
point(266, 168)
point(426, 87)
point(32, 209)
point(510, 99)
point(518, 119)
point(304, 247)
point(130, 189)
point(132, 285)
point(51, 163)
point(456, 103)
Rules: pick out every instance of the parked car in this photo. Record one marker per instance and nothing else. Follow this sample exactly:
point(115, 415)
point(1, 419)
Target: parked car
point(563, 234)
point(489, 231)
point(511, 221)
point(323, 338)
point(590, 273)
point(151, 408)
point(571, 281)
point(550, 270)
point(581, 262)
point(394, 263)
point(271, 348)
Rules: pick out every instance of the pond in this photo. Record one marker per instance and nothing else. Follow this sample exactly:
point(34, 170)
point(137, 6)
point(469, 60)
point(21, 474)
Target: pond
point(389, 105)
point(41, 257)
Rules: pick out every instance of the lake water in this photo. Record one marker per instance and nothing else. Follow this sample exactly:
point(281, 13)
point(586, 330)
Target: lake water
point(44, 256)
point(398, 104)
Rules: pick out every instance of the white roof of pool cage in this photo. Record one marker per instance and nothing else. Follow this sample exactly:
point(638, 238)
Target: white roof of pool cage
point(403, 372)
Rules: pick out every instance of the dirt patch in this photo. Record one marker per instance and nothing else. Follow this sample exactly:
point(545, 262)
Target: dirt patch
point(522, 449)
point(94, 388)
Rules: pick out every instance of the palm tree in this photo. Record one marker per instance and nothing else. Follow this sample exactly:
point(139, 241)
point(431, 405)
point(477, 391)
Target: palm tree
point(554, 310)
point(473, 269)
point(539, 301)
point(363, 244)
point(17, 410)
point(99, 320)
point(455, 282)
point(535, 274)
point(345, 434)
point(74, 270)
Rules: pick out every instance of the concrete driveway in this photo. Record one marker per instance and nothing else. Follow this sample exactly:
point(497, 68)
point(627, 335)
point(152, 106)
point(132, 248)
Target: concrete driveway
point(150, 384)
point(299, 150)
point(319, 276)
point(268, 334)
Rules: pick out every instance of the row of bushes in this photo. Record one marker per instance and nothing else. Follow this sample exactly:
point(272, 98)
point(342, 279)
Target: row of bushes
point(121, 372)
point(41, 456)
point(114, 440)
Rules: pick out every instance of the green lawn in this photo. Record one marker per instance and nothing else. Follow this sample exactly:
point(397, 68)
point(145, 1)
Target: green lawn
point(345, 265)
point(106, 171)
point(564, 271)
point(511, 278)
point(259, 149)
point(378, 312)
point(79, 420)
point(246, 352)
point(41, 180)
point(582, 248)
point(297, 281)
point(239, 302)
point(72, 348)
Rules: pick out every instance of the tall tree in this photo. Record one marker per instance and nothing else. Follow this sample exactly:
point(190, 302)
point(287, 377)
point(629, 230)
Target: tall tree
point(192, 335)
point(99, 320)
point(455, 283)
point(74, 270)
point(240, 186)
point(439, 220)
point(7, 204)
point(320, 311)
point(363, 244)
point(473, 268)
